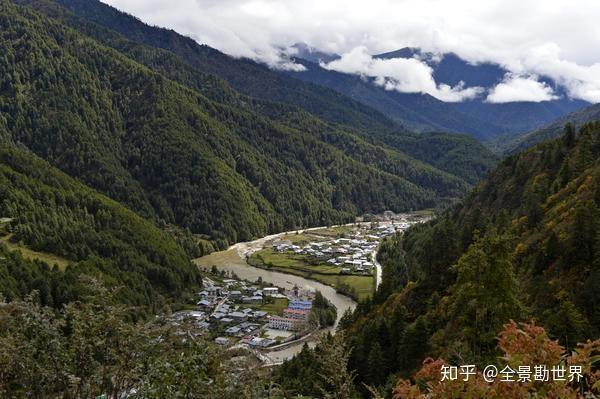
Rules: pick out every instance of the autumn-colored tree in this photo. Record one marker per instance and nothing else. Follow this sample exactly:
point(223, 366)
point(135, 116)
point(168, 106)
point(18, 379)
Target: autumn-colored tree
point(522, 345)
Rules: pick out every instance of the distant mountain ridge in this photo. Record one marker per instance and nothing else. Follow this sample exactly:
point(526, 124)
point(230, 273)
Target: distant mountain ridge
point(550, 131)
point(423, 112)
point(420, 112)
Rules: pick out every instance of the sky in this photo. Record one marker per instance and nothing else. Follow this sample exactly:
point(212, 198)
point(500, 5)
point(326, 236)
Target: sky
point(529, 38)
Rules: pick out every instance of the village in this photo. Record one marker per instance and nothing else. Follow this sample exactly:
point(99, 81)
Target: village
point(265, 318)
point(353, 252)
point(343, 257)
point(235, 312)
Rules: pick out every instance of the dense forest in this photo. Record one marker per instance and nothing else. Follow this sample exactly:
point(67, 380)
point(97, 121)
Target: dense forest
point(523, 245)
point(49, 212)
point(181, 147)
point(91, 348)
point(264, 86)
point(126, 149)
point(551, 131)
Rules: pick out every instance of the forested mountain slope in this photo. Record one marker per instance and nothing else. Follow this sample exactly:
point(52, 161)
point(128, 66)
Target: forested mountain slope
point(524, 244)
point(52, 213)
point(551, 131)
point(245, 76)
point(459, 155)
point(224, 168)
point(257, 81)
point(423, 112)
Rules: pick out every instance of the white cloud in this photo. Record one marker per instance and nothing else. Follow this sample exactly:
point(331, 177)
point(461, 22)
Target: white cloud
point(519, 88)
point(534, 37)
point(406, 75)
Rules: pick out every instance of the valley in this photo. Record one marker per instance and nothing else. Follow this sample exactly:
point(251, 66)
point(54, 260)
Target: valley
point(276, 200)
point(238, 261)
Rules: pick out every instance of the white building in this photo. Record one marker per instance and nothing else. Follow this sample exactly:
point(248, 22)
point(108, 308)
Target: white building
point(270, 291)
point(285, 323)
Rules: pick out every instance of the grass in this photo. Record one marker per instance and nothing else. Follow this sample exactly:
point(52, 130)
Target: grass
point(276, 307)
point(361, 285)
point(30, 254)
point(272, 258)
point(358, 286)
point(301, 238)
point(220, 259)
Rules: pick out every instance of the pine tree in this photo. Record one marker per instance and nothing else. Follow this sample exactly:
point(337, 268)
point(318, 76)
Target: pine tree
point(485, 295)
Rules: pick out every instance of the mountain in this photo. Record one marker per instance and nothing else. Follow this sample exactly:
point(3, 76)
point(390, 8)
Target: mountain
point(65, 229)
point(524, 244)
point(450, 69)
point(422, 112)
point(243, 75)
point(180, 146)
point(305, 52)
point(250, 78)
point(548, 132)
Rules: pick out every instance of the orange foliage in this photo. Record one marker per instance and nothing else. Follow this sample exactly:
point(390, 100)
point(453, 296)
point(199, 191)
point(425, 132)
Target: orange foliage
point(522, 345)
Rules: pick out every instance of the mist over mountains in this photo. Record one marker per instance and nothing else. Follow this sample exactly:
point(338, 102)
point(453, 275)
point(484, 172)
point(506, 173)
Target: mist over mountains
point(483, 100)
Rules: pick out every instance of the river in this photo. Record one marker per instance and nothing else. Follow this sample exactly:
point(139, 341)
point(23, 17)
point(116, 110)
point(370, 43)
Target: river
point(234, 260)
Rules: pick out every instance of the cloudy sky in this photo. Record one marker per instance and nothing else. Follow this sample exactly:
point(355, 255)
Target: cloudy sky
point(530, 38)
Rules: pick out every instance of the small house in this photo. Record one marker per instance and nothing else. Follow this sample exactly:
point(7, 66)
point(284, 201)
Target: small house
point(270, 291)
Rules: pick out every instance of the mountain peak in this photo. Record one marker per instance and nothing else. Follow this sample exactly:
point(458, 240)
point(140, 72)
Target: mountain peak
point(308, 53)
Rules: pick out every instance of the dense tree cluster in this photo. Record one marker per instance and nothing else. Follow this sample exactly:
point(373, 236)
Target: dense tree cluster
point(524, 244)
point(92, 348)
point(323, 311)
point(321, 372)
point(521, 346)
point(52, 213)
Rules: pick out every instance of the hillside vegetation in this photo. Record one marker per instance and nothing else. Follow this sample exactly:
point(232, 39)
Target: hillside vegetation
point(216, 166)
point(551, 131)
point(524, 244)
point(183, 60)
point(53, 214)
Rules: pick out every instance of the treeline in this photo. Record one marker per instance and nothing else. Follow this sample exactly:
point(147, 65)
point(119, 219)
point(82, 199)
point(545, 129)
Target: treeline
point(323, 312)
point(524, 244)
point(52, 213)
point(198, 154)
point(91, 348)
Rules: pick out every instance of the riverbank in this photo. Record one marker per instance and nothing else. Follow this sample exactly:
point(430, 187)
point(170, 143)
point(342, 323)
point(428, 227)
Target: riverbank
point(234, 260)
point(231, 261)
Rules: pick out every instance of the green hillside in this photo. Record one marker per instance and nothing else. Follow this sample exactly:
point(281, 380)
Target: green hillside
point(524, 244)
point(216, 166)
point(197, 66)
point(51, 216)
point(551, 131)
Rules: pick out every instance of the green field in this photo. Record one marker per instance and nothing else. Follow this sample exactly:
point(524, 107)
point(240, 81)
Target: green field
point(30, 254)
point(301, 238)
point(275, 308)
point(272, 258)
point(358, 286)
